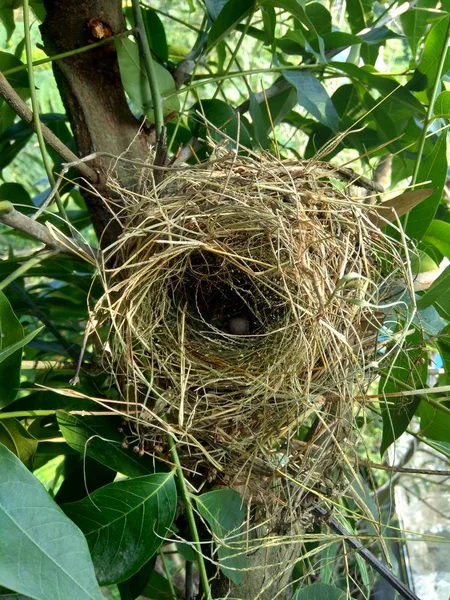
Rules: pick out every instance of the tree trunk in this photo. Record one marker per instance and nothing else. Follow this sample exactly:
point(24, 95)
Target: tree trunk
point(93, 95)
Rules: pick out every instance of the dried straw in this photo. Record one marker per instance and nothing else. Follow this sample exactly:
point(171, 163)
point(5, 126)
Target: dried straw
point(244, 312)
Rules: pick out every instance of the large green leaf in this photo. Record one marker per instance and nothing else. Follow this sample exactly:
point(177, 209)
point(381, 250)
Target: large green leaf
point(11, 332)
point(433, 168)
point(9, 61)
point(100, 438)
point(43, 554)
point(440, 287)
point(435, 44)
point(224, 511)
point(125, 523)
point(434, 423)
point(408, 371)
point(442, 105)
point(231, 14)
point(223, 117)
point(399, 102)
point(438, 235)
point(312, 95)
point(135, 82)
point(16, 438)
point(415, 22)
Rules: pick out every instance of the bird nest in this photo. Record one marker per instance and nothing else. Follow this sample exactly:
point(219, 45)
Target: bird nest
point(244, 303)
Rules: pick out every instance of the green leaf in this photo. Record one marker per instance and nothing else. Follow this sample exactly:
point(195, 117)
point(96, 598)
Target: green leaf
point(11, 332)
point(433, 168)
point(214, 7)
point(313, 96)
point(11, 350)
point(158, 588)
point(125, 523)
point(435, 44)
point(442, 105)
point(439, 287)
point(231, 14)
point(400, 103)
point(100, 438)
point(410, 368)
point(415, 23)
point(319, 591)
point(7, 18)
point(82, 476)
point(359, 13)
point(434, 423)
point(378, 34)
point(18, 79)
point(438, 235)
point(16, 438)
point(223, 117)
point(443, 341)
point(134, 586)
point(135, 82)
point(269, 18)
point(224, 512)
point(320, 17)
point(265, 115)
point(42, 553)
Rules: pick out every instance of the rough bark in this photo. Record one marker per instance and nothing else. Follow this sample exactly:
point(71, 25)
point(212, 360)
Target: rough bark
point(92, 92)
point(267, 576)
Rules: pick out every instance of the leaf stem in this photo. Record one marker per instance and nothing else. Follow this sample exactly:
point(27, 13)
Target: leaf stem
point(144, 48)
point(35, 106)
point(190, 517)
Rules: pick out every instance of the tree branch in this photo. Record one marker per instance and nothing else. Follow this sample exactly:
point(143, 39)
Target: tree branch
point(11, 98)
point(11, 217)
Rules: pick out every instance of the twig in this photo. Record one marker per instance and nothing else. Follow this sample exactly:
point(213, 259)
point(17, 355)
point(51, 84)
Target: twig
point(370, 558)
point(11, 217)
point(35, 106)
point(11, 98)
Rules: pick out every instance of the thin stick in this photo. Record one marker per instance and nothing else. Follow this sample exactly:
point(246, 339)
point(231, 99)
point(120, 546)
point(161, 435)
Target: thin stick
point(11, 98)
point(69, 53)
point(35, 105)
point(144, 48)
point(190, 517)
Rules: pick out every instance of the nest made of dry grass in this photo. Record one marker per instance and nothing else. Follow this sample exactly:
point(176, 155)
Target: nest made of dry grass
point(280, 246)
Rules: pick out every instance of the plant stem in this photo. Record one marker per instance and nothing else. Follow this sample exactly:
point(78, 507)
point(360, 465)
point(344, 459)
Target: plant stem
point(144, 48)
point(68, 54)
point(32, 262)
point(190, 517)
point(35, 106)
point(425, 397)
point(173, 594)
point(26, 413)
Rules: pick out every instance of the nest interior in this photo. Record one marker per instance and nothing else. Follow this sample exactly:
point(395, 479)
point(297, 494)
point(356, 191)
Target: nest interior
point(243, 313)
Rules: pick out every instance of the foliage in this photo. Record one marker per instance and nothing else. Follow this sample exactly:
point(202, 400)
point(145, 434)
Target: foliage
point(293, 78)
